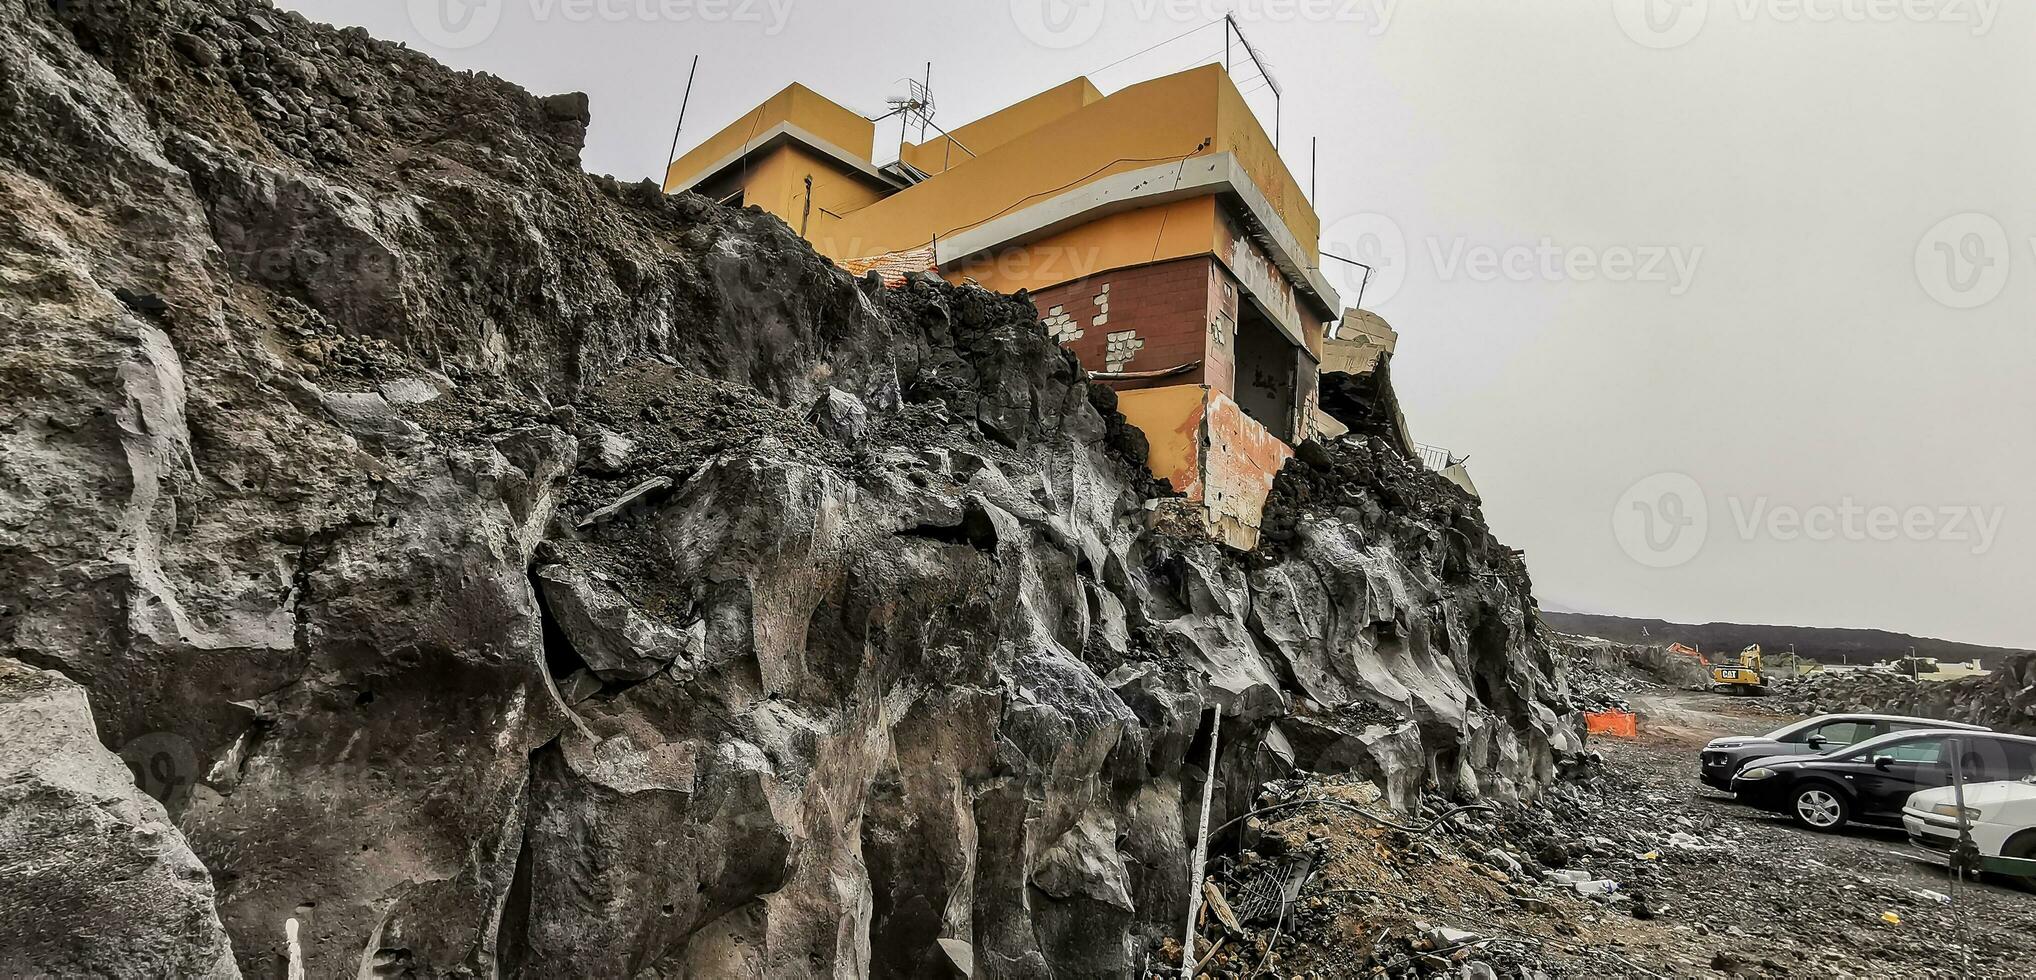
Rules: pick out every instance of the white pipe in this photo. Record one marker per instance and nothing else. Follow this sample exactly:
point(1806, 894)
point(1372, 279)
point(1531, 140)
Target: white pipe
point(1201, 856)
point(296, 950)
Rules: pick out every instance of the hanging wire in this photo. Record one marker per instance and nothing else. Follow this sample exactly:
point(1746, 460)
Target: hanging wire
point(1251, 51)
point(1255, 75)
point(1200, 60)
point(1165, 212)
point(1078, 180)
point(1154, 47)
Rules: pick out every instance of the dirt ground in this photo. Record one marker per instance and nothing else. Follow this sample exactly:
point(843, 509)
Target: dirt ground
point(1705, 886)
point(1805, 895)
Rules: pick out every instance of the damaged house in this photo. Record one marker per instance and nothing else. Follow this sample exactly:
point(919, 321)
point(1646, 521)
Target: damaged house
point(1156, 229)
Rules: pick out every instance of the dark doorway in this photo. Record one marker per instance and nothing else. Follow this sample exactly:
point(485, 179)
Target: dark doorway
point(1266, 379)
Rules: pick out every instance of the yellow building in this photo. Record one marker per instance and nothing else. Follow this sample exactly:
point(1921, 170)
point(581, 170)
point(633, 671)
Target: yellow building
point(1157, 230)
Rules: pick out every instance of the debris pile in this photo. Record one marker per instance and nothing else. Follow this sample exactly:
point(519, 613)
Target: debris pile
point(1617, 871)
point(2004, 700)
point(1599, 675)
point(505, 571)
point(1603, 674)
point(1327, 881)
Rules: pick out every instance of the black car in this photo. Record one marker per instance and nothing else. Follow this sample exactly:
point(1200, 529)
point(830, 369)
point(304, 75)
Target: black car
point(1724, 757)
point(1872, 780)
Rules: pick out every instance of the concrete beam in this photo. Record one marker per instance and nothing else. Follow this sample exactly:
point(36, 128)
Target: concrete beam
point(1216, 173)
point(791, 132)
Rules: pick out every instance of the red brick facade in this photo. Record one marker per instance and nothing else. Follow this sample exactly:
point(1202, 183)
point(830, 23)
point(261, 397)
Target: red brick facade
point(1149, 318)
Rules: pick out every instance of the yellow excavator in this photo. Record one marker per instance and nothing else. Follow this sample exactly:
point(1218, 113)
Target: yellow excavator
point(1744, 674)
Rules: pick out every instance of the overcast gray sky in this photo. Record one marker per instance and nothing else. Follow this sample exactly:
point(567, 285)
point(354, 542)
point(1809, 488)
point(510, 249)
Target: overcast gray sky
point(1729, 302)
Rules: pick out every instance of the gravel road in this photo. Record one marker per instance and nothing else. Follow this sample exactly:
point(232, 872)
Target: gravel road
point(1807, 904)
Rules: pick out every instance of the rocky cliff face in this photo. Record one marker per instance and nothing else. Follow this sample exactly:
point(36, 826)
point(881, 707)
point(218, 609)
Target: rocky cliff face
point(503, 571)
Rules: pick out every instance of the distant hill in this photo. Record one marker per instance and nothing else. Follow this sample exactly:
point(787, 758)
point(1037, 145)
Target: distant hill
point(1814, 642)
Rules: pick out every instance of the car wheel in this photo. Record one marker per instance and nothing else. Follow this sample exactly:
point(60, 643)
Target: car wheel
point(2024, 848)
point(1820, 807)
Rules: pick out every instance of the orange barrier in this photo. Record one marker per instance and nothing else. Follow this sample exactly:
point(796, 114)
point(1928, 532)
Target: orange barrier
point(1624, 724)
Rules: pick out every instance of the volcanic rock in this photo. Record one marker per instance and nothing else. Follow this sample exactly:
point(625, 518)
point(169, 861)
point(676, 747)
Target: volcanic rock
point(746, 699)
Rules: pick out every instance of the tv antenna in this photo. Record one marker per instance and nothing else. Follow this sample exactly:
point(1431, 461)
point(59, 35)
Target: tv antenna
point(918, 102)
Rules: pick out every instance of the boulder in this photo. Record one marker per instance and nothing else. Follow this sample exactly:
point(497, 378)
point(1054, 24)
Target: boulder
point(96, 880)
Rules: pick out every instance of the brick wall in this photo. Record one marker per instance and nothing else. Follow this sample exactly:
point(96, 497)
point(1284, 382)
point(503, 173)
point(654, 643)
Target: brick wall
point(1226, 298)
point(1146, 318)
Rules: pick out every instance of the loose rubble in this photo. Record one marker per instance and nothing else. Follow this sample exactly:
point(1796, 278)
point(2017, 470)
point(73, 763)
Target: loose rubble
point(1624, 869)
point(1604, 674)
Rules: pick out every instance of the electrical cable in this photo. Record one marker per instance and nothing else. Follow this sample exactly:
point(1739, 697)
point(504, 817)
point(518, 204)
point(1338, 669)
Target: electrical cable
point(1248, 79)
point(1055, 190)
point(1165, 212)
point(1134, 54)
point(755, 121)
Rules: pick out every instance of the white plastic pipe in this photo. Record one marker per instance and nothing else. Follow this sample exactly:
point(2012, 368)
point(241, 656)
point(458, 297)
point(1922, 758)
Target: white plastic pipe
point(1201, 855)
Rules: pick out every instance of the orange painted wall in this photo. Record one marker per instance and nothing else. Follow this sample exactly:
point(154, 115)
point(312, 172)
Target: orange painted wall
point(1211, 452)
point(1154, 234)
point(1003, 126)
point(1147, 124)
point(795, 104)
point(834, 192)
point(1171, 419)
point(1242, 134)
point(1043, 146)
point(776, 182)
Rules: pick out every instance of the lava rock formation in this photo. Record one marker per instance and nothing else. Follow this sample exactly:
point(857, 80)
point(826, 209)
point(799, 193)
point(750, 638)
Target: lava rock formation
point(500, 570)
